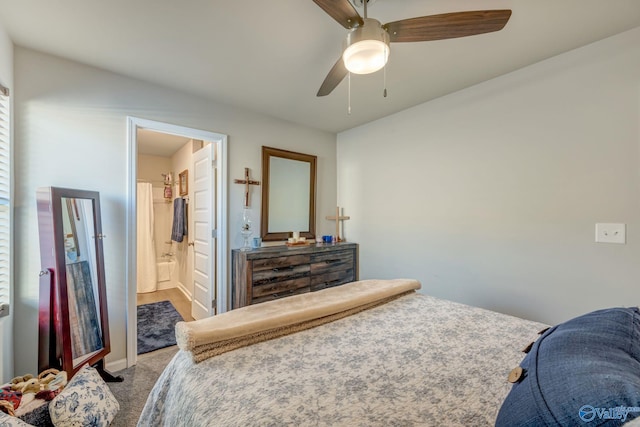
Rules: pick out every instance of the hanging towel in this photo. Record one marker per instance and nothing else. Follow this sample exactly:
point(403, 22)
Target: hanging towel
point(179, 229)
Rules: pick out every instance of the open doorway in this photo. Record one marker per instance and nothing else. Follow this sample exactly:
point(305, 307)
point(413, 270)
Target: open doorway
point(177, 177)
point(163, 260)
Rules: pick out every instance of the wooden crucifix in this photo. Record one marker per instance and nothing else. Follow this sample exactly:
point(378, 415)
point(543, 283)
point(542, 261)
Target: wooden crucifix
point(337, 219)
point(247, 182)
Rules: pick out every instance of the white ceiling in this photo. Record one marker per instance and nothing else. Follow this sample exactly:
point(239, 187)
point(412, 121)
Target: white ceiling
point(272, 55)
point(159, 144)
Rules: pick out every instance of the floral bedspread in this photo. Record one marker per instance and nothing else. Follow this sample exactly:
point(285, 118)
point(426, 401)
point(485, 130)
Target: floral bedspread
point(415, 361)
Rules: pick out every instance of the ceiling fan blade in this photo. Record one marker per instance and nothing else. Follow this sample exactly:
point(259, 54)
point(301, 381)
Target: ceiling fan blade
point(447, 25)
point(333, 79)
point(342, 11)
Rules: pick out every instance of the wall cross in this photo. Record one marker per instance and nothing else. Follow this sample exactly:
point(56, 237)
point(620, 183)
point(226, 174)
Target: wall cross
point(247, 182)
point(337, 219)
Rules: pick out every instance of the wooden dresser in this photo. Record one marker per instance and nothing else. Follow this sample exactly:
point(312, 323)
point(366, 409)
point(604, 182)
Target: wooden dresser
point(269, 273)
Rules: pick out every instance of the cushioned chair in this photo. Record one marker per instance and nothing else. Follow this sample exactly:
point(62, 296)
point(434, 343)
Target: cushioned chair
point(85, 401)
point(583, 372)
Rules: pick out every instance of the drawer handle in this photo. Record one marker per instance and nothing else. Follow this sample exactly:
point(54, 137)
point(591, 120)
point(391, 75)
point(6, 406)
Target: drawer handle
point(332, 261)
point(283, 269)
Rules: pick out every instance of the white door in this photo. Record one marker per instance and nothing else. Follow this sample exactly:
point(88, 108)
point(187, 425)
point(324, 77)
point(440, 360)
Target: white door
point(202, 200)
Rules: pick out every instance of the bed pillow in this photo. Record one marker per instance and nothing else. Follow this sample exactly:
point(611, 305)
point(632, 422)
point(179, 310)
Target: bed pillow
point(584, 371)
point(10, 421)
point(85, 401)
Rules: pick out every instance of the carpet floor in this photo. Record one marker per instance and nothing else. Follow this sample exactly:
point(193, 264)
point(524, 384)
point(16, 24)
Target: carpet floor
point(138, 381)
point(156, 326)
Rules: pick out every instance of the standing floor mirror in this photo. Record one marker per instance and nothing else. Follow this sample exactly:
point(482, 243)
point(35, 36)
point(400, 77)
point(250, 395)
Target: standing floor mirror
point(73, 318)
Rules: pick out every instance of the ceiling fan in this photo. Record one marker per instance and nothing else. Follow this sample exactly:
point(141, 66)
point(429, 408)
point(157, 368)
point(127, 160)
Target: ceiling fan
point(367, 43)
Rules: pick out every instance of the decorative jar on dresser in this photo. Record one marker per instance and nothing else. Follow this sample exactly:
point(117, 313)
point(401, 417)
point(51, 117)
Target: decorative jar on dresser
point(269, 273)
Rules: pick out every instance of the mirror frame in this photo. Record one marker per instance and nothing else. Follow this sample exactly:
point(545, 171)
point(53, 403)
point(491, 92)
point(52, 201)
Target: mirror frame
point(267, 154)
point(54, 322)
point(183, 181)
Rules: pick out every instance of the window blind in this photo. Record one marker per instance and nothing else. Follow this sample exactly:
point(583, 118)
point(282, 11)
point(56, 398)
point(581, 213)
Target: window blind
point(5, 201)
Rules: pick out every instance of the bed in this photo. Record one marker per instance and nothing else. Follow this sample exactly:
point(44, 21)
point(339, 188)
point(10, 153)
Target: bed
point(412, 360)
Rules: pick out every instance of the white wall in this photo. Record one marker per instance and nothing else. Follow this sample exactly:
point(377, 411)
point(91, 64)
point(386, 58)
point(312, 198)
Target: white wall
point(6, 323)
point(71, 132)
point(489, 196)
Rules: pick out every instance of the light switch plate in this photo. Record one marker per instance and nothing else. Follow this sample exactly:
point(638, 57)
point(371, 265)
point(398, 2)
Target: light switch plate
point(611, 233)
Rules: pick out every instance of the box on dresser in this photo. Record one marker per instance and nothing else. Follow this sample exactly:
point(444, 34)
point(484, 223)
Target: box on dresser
point(269, 273)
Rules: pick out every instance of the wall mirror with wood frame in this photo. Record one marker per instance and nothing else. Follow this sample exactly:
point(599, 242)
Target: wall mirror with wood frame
point(288, 194)
point(183, 182)
point(73, 319)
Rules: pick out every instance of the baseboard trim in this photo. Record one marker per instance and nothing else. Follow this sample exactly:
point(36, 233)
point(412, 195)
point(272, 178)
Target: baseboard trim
point(184, 291)
point(116, 365)
point(162, 286)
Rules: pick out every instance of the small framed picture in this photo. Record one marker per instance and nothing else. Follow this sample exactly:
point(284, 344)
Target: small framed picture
point(183, 182)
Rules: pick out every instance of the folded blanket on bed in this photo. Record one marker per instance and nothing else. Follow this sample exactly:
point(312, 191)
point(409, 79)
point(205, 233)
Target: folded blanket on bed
point(247, 325)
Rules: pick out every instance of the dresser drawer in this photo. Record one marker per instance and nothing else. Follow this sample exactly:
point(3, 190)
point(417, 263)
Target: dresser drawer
point(278, 263)
point(334, 278)
point(280, 274)
point(322, 263)
point(260, 291)
point(280, 294)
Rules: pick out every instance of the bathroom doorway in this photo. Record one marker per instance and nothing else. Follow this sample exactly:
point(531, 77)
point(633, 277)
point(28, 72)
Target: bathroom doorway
point(161, 264)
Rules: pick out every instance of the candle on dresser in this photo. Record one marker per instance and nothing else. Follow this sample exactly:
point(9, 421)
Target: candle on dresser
point(296, 236)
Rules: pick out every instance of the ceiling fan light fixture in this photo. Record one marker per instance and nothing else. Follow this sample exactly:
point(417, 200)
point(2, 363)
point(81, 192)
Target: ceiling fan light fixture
point(367, 48)
point(366, 56)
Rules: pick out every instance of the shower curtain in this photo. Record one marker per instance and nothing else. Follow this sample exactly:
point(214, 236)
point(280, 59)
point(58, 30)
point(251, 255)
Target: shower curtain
point(146, 254)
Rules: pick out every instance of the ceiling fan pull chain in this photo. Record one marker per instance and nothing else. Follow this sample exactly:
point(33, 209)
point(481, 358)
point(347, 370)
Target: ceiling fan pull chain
point(384, 77)
point(349, 94)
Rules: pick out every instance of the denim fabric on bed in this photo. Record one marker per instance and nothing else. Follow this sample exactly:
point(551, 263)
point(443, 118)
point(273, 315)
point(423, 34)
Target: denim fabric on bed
point(584, 372)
